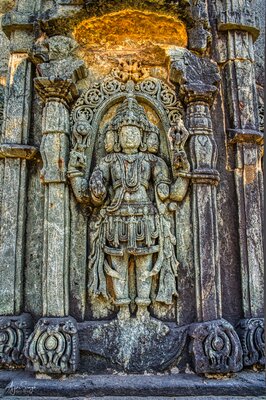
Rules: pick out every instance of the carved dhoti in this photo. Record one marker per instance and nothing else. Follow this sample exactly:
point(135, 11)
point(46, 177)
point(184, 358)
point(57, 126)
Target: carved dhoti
point(132, 230)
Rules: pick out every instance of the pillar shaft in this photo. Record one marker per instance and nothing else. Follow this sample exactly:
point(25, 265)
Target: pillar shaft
point(203, 154)
point(14, 183)
point(244, 137)
point(54, 151)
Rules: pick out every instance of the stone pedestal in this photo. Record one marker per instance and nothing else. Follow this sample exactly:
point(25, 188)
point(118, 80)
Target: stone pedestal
point(14, 332)
point(215, 347)
point(53, 346)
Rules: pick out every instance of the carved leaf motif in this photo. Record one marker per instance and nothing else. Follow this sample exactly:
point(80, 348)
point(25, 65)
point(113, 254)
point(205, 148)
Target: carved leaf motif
point(203, 140)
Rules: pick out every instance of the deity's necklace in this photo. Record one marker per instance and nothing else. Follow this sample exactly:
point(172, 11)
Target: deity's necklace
point(130, 180)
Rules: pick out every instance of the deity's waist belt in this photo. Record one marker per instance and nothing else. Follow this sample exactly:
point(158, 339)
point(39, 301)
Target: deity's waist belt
point(119, 183)
point(136, 230)
point(134, 209)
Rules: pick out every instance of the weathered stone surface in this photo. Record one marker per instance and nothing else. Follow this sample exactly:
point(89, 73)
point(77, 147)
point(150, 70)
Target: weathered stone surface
point(131, 345)
point(186, 385)
point(14, 332)
point(132, 238)
point(252, 336)
point(215, 347)
point(53, 346)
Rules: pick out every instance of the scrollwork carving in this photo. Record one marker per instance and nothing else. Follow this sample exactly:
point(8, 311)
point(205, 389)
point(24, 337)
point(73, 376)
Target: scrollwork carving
point(53, 346)
point(215, 347)
point(252, 336)
point(14, 331)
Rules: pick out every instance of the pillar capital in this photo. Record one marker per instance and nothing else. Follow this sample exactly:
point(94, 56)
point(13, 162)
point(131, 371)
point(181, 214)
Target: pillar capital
point(198, 93)
point(56, 89)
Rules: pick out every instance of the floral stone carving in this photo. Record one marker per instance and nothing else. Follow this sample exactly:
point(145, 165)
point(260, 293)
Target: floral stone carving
point(215, 347)
point(14, 331)
point(252, 336)
point(53, 346)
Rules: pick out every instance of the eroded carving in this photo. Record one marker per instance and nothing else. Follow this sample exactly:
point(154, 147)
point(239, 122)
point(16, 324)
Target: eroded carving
point(14, 331)
point(53, 346)
point(215, 347)
point(252, 337)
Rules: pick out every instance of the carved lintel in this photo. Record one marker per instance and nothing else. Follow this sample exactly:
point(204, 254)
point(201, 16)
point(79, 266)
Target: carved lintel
point(245, 136)
point(16, 20)
point(251, 334)
point(14, 331)
point(215, 347)
point(242, 20)
point(53, 346)
point(59, 89)
point(14, 150)
point(187, 68)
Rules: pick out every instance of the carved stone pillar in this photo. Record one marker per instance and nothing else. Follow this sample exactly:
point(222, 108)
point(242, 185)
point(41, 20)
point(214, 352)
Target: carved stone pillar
point(215, 346)
point(52, 347)
point(244, 143)
point(205, 177)
point(214, 342)
point(14, 153)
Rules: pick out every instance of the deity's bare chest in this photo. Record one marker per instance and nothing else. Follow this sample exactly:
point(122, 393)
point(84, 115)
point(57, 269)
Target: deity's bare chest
point(130, 171)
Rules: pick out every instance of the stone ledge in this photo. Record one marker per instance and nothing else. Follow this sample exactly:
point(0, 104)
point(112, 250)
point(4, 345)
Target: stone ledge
point(246, 383)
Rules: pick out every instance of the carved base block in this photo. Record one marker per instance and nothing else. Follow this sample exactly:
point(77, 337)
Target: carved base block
point(14, 331)
point(53, 346)
point(215, 347)
point(130, 345)
point(251, 334)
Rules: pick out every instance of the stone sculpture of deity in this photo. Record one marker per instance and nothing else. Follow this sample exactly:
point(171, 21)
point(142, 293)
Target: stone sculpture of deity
point(131, 193)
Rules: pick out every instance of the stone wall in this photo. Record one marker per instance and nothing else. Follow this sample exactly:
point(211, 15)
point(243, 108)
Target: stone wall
point(178, 220)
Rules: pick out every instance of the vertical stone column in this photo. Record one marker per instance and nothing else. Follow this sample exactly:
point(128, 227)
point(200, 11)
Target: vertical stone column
point(245, 140)
point(215, 346)
point(205, 178)
point(57, 334)
point(14, 153)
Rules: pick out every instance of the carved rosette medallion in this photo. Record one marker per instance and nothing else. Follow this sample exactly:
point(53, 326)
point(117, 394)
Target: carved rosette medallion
point(215, 347)
point(53, 346)
point(14, 331)
point(252, 337)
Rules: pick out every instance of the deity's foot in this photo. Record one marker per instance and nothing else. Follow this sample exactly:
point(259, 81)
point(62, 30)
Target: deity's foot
point(124, 313)
point(143, 313)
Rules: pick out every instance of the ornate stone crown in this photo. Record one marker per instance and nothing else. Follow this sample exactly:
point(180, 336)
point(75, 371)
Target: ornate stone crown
point(130, 112)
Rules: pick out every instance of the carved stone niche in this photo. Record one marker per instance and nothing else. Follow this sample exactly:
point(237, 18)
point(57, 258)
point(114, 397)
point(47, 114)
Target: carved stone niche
point(128, 167)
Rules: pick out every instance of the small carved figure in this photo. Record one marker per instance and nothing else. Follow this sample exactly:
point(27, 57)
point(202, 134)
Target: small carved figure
point(130, 190)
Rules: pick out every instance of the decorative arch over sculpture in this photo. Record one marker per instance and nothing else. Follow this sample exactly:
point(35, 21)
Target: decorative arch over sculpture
point(89, 110)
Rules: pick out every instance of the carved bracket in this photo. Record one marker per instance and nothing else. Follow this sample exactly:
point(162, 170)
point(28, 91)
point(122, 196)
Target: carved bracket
point(14, 331)
point(215, 347)
point(251, 334)
point(53, 346)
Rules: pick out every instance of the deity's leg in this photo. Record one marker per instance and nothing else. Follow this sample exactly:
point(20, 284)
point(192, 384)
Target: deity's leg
point(143, 265)
point(120, 265)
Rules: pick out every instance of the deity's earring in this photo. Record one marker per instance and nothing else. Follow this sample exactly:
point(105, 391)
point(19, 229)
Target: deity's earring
point(117, 147)
point(143, 144)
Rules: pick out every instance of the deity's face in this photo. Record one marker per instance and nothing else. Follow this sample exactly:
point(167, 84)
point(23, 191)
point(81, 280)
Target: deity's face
point(109, 141)
point(153, 143)
point(130, 138)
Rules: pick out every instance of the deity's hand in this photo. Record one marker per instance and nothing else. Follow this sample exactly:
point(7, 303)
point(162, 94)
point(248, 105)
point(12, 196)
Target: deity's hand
point(163, 191)
point(77, 160)
point(96, 184)
point(181, 161)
